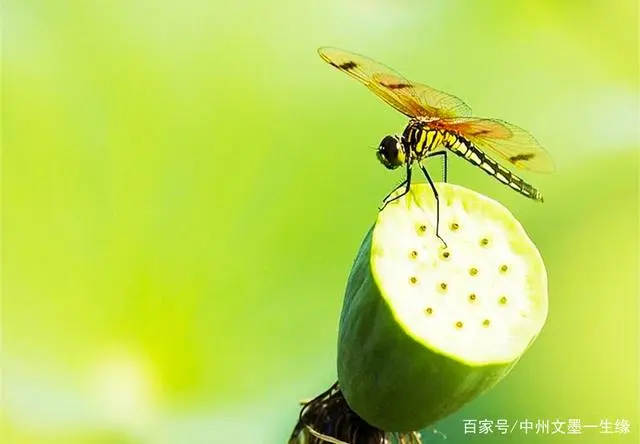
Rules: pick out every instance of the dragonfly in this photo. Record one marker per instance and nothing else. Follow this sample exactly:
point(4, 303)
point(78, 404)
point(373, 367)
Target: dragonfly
point(440, 123)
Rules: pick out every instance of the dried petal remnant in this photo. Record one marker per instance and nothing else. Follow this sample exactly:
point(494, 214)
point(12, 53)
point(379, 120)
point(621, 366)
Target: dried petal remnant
point(328, 419)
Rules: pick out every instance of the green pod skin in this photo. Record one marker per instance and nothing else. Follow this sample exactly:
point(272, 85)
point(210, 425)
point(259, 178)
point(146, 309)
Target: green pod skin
point(394, 382)
point(394, 379)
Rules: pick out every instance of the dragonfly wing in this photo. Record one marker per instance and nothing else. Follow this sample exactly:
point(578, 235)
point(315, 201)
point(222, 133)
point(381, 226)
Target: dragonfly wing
point(503, 139)
point(446, 105)
point(411, 99)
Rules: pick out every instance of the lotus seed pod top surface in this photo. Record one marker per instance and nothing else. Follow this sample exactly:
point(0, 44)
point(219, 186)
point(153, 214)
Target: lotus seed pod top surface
point(482, 299)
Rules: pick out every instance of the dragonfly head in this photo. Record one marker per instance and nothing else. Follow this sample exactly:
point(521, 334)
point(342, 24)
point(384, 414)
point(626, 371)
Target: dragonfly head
point(390, 152)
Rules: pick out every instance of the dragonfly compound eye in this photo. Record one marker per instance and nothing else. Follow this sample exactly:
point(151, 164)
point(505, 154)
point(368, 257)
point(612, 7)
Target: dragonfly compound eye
point(390, 152)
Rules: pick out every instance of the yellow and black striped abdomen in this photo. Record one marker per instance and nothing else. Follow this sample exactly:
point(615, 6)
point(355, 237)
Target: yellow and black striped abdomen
point(468, 151)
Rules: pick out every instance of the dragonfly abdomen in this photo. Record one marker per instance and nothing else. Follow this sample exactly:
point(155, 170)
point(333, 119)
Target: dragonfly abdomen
point(468, 151)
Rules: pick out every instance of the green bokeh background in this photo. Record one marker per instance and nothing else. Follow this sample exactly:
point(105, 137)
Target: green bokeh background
point(185, 185)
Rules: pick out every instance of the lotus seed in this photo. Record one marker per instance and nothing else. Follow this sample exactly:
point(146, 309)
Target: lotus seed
point(472, 297)
point(473, 271)
point(484, 242)
point(446, 254)
point(413, 279)
point(422, 228)
point(429, 310)
point(413, 254)
point(504, 268)
point(459, 324)
point(443, 285)
point(486, 322)
point(454, 226)
point(503, 300)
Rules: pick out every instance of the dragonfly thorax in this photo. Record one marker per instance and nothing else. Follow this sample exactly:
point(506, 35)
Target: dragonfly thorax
point(390, 152)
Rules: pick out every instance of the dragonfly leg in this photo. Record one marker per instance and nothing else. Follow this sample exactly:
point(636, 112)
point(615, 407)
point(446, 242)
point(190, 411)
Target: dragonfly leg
point(435, 193)
point(400, 185)
point(444, 162)
point(406, 183)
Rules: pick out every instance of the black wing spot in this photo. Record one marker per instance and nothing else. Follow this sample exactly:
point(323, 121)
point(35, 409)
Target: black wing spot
point(527, 156)
point(346, 65)
point(396, 85)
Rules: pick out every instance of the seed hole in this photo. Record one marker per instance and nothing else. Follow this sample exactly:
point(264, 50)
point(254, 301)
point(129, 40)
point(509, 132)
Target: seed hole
point(446, 255)
point(484, 242)
point(473, 271)
point(504, 268)
point(486, 323)
point(422, 229)
point(472, 297)
point(459, 324)
point(429, 310)
point(443, 286)
point(454, 226)
point(413, 279)
point(413, 254)
point(503, 300)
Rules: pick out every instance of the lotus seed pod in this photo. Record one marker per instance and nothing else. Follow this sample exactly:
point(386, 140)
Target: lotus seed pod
point(426, 328)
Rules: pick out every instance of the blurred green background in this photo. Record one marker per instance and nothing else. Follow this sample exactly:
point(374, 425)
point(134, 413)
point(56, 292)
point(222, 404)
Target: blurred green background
point(185, 185)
